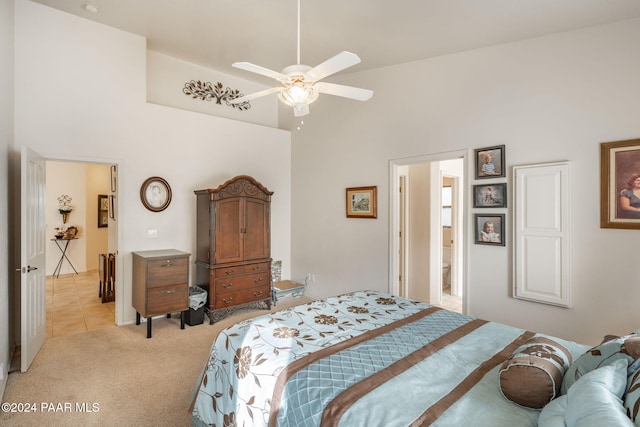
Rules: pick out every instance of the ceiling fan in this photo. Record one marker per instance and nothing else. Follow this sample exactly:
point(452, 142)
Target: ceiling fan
point(301, 84)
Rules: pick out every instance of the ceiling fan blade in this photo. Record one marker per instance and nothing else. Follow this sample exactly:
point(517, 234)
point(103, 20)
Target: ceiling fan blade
point(332, 65)
point(344, 91)
point(247, 66)
point(256, 95)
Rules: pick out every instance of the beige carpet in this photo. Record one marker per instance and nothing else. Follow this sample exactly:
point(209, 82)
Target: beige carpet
point(118, 374)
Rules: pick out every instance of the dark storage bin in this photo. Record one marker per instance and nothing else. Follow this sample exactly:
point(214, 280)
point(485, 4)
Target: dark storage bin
point(197, 299)
point(194, 317)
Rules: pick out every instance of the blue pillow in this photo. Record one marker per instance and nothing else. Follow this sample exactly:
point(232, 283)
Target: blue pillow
point(626, 348)
point(595, 399)
point(552, 415)
point(632, 398)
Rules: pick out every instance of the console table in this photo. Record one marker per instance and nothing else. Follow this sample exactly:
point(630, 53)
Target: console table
point(63, 244)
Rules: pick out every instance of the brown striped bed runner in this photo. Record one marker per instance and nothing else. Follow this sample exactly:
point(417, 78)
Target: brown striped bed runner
point(340, 404)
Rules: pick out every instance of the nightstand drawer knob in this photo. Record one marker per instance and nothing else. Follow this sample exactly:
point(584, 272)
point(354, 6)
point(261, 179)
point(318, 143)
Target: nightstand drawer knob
point(227, 285)
point(228, 272)
point(258, 280)
point(168, 264)
point(257, 294)
point(227, 301)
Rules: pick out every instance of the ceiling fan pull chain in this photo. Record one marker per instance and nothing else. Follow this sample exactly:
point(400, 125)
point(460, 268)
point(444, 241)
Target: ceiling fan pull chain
point(298, 32)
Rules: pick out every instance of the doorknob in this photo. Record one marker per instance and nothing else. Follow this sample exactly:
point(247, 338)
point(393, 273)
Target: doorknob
point(26, 269)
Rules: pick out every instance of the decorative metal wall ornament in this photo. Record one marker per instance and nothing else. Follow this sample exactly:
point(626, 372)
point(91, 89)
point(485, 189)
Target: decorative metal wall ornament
point(206, 91)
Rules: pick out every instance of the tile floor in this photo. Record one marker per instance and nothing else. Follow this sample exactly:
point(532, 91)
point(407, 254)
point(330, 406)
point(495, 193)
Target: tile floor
point(73, 305)
point(450, 302)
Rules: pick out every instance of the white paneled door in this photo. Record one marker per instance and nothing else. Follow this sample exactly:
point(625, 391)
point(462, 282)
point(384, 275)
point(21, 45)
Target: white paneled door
point(32, 256)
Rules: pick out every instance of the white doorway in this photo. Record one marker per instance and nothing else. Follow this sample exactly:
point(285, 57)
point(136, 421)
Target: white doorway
point(417, 213)
point(37, 226)
point(76, 302)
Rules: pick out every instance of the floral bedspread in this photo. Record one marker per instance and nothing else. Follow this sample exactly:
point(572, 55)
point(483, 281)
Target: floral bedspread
point(237, 382)
point(361, 359)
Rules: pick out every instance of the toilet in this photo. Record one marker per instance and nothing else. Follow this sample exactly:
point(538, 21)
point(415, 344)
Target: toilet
point(446, 266)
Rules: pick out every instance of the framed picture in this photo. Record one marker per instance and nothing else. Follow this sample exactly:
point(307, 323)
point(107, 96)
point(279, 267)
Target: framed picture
point(155, 194)
point(362, 202)
point(490, 162)
point(620, 184)
point(489, 229)
point(490, 196)
point(112, 207)
point(103, 210)
point(114, 174)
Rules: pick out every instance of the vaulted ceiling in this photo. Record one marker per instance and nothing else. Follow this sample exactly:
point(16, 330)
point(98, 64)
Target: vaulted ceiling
point(216, 33)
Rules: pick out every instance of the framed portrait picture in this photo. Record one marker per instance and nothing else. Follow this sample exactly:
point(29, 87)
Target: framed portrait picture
point(362, 202)
point(490, 196)
point(490, 162)
point(620, 184)
point(489, 229)
point(103, 210)
point(155, 194)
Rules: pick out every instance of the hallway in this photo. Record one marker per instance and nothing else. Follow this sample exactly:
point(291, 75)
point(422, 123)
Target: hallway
point(73, 305)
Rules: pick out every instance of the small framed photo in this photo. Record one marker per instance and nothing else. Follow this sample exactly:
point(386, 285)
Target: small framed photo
point(103, 210)
point(490, 162)
point(489, 229)
point(490, 196)
point(362, 202)
point(620, 184)
point(155, 194)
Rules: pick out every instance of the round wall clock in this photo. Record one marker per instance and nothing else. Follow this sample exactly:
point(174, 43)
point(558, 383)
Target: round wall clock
point(155, 194)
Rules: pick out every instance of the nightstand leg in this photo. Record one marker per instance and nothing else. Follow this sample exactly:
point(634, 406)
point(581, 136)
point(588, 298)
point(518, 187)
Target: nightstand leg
point(182, 320)
point(149, 327)
point(137, 318)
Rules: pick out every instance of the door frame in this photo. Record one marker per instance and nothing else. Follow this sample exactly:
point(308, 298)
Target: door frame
point(115, 242)
point(394, 201)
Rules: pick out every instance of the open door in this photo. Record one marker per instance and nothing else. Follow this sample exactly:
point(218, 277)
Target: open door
point(32, 256)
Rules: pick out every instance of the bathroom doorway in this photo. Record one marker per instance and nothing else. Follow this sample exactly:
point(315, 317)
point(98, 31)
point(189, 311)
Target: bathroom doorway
point(417, 236)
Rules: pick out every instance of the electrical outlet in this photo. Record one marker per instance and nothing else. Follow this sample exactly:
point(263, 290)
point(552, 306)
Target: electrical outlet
point(152, 234)
point(310, 277)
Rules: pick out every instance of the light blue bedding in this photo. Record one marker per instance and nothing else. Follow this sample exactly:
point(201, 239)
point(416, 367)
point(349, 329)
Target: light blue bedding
point(362, 359)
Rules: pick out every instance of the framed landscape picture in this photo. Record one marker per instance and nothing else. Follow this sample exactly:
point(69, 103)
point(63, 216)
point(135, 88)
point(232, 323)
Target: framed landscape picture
point(362, 202)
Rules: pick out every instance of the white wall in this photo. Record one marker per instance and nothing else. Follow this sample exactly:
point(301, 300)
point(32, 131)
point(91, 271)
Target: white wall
point(547, 99)
point(6, 142)
point(166, 78)
point(82, 182)
point(66, 178)
point(84, 85)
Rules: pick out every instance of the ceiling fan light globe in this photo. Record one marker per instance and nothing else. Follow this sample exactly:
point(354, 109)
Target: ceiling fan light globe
point(299, 93)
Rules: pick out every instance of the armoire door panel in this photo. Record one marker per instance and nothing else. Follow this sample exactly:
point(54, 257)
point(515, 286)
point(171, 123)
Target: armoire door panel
point(256, 236)
point(228, 236)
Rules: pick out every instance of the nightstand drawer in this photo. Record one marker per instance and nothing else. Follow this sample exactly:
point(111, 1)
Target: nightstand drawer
point(161, 300)
point(167, 272)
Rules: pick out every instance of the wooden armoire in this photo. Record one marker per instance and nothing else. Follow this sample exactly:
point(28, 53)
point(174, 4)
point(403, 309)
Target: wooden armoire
point(233, 253)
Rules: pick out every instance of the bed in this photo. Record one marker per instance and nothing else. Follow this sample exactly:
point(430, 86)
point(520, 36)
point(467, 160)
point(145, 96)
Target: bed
point(372, 359)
